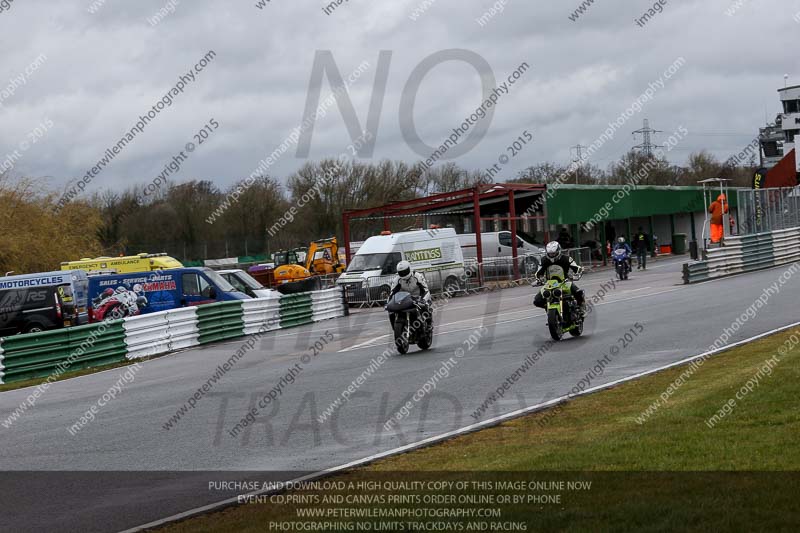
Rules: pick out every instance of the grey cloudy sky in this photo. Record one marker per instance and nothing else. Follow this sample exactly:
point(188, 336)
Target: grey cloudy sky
point(103, 70)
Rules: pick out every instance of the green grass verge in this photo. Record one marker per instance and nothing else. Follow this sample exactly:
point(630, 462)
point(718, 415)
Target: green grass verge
point(670, 473)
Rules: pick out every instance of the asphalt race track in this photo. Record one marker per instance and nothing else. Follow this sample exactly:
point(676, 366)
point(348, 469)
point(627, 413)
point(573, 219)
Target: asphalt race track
point(149, 472)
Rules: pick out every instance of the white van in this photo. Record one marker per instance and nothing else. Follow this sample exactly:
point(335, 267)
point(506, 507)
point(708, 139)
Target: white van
point(436, 253)
point(498, 244)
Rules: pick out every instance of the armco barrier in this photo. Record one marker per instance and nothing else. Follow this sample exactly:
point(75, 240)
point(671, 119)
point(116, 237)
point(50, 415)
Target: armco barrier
point(220, 321)
point(163, 332)
point(746, 253)
point(328, 304)
point(261, 315)
point(41, 354)
point(296, 310)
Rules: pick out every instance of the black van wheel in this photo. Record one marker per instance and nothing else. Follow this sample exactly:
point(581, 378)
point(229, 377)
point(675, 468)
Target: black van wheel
point(531, 266)
point(383, 294)
point(451, 286)
point(33, 328)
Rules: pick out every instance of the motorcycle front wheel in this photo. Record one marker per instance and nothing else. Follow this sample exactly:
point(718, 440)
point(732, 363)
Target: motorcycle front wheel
point(554, 324)
point(426, 341)
point(577, 331)
point(400, 339)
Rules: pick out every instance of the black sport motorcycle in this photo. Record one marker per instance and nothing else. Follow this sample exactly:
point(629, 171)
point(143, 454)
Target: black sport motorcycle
point(407, 315)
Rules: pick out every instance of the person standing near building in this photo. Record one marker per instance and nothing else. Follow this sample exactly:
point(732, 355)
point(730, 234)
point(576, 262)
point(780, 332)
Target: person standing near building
point(718, 208)
point(641, 245)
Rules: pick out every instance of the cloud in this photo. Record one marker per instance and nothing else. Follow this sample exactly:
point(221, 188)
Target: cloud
point(105, 69)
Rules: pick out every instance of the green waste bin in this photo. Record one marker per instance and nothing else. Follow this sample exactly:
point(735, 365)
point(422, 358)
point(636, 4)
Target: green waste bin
point(679, 243)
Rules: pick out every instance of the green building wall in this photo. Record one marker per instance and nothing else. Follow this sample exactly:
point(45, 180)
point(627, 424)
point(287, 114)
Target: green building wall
point(576, 204)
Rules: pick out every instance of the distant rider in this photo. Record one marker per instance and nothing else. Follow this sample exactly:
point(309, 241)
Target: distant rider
point(415, 284)
point(622, 245)
point(554, 257)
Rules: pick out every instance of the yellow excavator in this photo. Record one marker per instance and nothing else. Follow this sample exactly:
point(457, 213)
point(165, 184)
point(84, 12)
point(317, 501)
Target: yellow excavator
point(322, 258)
point(288, 267)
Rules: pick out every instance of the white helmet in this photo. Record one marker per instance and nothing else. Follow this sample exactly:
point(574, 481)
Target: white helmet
point(553, 250)
point(404, 269)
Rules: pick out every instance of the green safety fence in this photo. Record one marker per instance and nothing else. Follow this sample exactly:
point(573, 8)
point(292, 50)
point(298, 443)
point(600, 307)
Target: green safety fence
point(55, 352)
point(296, 309)
point(220, 321)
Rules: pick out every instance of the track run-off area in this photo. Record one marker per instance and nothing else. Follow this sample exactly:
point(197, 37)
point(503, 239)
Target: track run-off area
point(320, 396)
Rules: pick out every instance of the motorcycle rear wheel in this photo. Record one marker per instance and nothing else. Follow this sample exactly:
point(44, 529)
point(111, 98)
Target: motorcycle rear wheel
point(554, 324)
point(400, 339)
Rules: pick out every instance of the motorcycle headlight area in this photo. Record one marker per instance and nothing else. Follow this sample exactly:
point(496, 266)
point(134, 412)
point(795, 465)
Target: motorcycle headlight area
point(546, 293)
point(557, 293)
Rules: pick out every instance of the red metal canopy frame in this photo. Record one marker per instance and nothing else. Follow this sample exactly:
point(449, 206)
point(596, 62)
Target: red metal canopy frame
point(473, 195)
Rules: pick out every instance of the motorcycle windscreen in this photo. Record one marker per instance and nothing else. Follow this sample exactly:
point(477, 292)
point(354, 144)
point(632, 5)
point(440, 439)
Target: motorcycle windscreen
point(556, 272)
point(401, 301)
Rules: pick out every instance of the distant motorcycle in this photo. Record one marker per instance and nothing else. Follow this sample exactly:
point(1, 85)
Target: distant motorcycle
point(408, 323)
point(622, 263)
point(563, 312)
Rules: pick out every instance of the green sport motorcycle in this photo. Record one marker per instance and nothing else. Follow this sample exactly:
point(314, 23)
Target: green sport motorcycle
point(563, 312)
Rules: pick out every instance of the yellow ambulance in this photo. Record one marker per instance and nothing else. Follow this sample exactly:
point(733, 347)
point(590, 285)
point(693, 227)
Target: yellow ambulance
point(124, 264)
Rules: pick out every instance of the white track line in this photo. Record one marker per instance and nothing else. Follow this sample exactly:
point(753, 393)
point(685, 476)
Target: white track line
point(455, 433)
point(363, 343)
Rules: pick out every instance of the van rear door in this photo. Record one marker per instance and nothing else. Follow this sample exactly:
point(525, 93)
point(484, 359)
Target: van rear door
point(66, 306)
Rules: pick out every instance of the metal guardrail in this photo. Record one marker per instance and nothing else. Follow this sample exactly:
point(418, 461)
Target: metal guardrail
point(157, 333)
point(296, 310)
point(745, 253)
point(219, 321)
point(55, 352)
point(261, 314)
point(41, 354)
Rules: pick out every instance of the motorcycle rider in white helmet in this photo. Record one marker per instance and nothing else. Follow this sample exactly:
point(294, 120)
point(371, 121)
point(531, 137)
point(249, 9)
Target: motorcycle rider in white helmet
point(415, 284)
point(411, 282)
point(554, 257)
point(621, 244)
